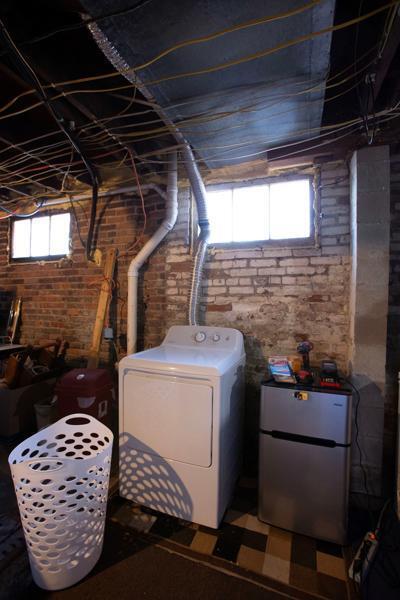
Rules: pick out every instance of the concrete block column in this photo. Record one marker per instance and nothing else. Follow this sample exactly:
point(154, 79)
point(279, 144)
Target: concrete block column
point(370, 238)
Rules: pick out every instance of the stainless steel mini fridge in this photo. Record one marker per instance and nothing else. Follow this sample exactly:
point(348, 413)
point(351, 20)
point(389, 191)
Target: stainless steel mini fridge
point(304, 462)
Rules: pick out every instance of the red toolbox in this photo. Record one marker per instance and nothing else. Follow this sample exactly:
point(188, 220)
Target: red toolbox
point(88, 391)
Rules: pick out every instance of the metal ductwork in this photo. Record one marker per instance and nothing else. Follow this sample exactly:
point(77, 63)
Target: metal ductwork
point(200, 194)
point(192, 170)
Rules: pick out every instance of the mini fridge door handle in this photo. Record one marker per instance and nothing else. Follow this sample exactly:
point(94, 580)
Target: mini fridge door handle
point(302, 439)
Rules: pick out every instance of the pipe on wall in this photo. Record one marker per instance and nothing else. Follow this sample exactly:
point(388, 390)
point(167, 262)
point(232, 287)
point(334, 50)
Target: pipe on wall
point(112, 192)
point(200, 195)
point(171, 213)
point(192, 170)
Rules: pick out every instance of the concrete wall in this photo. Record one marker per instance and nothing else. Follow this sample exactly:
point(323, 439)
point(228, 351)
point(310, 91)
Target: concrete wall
point(370, 229)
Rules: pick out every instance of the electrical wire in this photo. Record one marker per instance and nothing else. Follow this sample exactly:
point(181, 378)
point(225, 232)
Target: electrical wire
point(206, 70)
point(139, 239)
point(78, 229)
point(27, 70)
point(361, 465)
point(238, 61)
point(289, 95)
point(13, 213)
point(331, 131)
point(183, 44)
point(160, 150)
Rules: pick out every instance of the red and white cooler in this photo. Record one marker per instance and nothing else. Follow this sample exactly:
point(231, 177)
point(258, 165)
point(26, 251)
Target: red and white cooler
point(88, 391)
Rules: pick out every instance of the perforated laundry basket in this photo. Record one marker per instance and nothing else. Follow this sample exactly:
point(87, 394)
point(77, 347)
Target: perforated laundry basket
point(61, 477)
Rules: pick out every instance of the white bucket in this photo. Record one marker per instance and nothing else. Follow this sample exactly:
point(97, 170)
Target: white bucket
point(61, 477)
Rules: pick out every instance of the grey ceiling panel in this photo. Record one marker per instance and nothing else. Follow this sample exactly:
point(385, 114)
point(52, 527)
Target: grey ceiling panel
point(263, 95)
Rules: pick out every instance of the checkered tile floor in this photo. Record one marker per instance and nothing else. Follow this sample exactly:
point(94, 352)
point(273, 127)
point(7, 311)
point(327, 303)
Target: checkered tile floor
point(305, 563)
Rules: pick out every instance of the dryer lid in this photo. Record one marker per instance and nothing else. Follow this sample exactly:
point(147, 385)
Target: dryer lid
point(174, 358)
point(192, 349)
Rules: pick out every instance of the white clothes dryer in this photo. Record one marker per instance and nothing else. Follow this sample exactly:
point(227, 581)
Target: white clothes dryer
point(180, 422)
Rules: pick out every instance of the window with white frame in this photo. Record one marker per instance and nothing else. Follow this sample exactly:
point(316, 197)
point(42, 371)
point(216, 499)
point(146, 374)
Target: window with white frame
point(42, 237)
point(279, 210)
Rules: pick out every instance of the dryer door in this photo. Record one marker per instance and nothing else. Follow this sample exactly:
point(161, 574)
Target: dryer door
point(168, 416)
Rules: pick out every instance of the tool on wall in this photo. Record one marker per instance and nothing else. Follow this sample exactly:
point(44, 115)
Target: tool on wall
point(102, 307)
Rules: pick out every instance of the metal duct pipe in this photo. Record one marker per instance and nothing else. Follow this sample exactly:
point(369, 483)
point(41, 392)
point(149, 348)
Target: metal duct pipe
point(193, 173)
point(171, 213)
point(200, 195)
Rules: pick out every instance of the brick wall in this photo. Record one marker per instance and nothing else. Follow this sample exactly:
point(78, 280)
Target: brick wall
point(275, 296)
point(60, 298)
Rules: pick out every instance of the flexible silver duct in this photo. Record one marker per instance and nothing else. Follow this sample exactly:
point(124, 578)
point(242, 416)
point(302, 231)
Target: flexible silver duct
point(192, 170)
point(200, 194)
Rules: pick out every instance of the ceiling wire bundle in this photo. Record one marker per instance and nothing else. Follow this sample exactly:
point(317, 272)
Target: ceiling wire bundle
point(212, 68)
point(29, 74)
point(58, 150)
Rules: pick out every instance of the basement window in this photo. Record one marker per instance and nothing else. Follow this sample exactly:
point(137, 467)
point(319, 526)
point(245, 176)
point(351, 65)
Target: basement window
point(276, 211)
point(41, 238)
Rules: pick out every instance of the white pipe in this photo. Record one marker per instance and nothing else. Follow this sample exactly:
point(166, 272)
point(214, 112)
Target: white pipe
point(113, 192)
point(171, 213)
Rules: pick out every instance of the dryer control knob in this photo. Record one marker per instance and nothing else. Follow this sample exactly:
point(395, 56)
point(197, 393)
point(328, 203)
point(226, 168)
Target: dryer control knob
point(200, 336)
point(216, 337)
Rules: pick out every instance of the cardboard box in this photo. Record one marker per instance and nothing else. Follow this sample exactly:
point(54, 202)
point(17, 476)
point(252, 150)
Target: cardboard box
point(17, 413)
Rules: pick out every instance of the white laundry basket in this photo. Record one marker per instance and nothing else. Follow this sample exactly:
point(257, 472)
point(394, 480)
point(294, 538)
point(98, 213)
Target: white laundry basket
point(61, 477)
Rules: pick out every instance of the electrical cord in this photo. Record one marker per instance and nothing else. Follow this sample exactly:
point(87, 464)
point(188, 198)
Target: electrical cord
point(363, 471)
point(30, 74)
point(78, 229)
point(240, 60)
point(173, 48)
point(12, 213)
point(214, 68)
point(386, 562)
point(354, 125)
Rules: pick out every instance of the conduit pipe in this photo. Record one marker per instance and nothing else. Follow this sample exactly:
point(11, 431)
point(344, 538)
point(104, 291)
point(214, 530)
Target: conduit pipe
point(193, 173)
point(112, 192)
point(171, 213)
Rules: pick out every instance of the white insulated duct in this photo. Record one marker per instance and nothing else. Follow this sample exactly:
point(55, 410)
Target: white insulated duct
point(171, 213)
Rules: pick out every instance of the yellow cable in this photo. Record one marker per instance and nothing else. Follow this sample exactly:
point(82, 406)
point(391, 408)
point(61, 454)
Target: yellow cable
point(183, 44)
point(213, 36)
point(213, 69)
point(269, 51)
